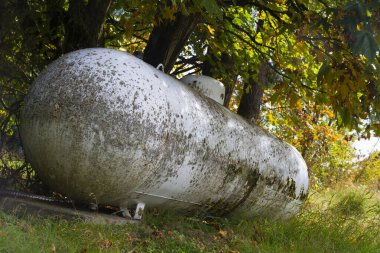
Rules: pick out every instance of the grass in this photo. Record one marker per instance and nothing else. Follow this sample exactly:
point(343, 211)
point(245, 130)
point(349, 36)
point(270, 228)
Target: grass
point(339, 220)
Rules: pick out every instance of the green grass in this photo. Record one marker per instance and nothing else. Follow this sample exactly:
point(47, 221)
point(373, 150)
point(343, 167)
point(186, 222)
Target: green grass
point(341, 220)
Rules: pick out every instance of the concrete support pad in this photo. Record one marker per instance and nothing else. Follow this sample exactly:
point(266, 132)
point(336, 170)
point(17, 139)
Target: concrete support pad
point(22, 207)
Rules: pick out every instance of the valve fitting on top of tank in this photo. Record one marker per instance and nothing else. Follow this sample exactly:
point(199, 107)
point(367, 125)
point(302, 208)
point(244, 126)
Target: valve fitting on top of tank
point(206, 85)
point(161, 67)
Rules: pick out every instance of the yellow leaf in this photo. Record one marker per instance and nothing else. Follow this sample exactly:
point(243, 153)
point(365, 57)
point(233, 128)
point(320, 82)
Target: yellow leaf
point(259, 38)
point(299, 104)
point(262, 15)
point(53, 248)
point(329, 113)
point(211, 30)
point(222, 233)
point(270, 117)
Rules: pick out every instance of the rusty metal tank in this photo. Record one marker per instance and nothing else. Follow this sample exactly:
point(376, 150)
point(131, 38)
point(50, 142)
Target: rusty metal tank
point(102, 126)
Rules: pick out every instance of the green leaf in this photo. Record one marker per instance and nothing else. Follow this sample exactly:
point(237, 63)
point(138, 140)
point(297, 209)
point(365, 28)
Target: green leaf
point(322, 98)
point(212, 7)
point(322, 72)
point(365, 44)
point(344, 117)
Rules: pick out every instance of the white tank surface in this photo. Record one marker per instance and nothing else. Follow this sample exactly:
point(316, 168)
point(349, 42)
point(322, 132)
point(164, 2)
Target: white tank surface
point(206, 85)
point(102, 126)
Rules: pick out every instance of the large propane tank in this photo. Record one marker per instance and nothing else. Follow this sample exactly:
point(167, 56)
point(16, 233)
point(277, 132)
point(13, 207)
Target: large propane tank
point(102, 126)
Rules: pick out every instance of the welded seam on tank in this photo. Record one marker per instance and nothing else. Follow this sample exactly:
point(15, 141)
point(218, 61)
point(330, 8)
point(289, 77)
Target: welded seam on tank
point(168, 198)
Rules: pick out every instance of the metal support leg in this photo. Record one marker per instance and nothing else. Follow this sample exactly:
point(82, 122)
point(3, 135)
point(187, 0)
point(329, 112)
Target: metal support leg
point(139, 211)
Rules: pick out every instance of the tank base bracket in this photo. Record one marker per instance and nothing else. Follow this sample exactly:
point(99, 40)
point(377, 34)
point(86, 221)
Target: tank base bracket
point(139, 211)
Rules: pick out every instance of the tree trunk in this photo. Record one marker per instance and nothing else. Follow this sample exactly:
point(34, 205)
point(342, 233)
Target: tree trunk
point(230, 88)
point(168, 39)
point(85, 23)
point(250, 103)
point(58, 15)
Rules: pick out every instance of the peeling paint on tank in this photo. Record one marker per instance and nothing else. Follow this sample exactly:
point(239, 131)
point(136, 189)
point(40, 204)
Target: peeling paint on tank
point(98, 123)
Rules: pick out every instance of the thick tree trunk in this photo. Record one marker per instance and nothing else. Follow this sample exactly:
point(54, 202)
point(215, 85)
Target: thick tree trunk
point(85, 23)
point(230, 88)
point(168, 39)
point(58, 15)
point(250, 103)
point(2, 16)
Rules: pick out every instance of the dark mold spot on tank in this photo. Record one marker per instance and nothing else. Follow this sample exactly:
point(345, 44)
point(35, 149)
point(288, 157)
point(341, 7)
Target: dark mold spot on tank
point(303, 195)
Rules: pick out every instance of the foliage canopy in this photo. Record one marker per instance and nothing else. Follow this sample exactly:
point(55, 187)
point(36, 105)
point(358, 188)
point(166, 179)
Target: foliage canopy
point(305, 69)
